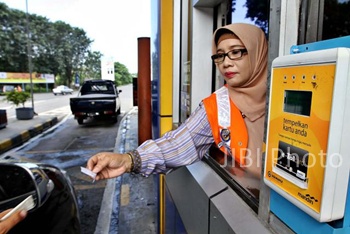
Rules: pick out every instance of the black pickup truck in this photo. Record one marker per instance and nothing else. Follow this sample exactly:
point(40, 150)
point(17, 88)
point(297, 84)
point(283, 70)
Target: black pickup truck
point(96, 98)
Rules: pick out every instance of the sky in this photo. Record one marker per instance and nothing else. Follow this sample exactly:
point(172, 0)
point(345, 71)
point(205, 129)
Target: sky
point(239, 14)
point(113, 25)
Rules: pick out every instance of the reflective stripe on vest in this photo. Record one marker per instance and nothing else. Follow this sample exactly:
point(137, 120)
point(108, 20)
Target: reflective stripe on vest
point(227, 125)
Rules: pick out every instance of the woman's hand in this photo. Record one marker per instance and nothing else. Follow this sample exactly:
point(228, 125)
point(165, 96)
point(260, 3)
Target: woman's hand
point(107, 165)
point(11, 221)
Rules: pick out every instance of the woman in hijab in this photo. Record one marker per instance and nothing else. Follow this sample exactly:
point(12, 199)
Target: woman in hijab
point(232, 118)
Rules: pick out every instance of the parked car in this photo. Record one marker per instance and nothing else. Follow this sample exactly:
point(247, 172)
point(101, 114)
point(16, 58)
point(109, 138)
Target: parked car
point(54, 208)
point(7, 88)
point(96, 98)
point(62, 89)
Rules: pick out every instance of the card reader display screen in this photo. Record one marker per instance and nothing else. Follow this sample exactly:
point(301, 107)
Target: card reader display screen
point(293, 160)
point(297, 102)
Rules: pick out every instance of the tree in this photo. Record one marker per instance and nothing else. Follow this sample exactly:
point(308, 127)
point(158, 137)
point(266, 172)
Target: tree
point(121, 74)
point(92, 66)
point(43, 48)
point(55, 48)
point(70, 48)
point(13, 40)
point(258, 12)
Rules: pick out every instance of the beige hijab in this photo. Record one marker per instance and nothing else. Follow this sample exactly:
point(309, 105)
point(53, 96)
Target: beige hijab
point(249, 98)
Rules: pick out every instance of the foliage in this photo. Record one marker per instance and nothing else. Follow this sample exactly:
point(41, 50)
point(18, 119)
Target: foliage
point(17, 97)
point(121, 74)
point(258, 12)
point(92, 67)
point(54, 47)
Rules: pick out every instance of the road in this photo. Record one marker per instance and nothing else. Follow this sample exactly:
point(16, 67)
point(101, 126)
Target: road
point(69, 146)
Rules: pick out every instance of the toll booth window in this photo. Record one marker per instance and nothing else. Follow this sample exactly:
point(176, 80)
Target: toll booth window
point(297, 102)
point(245, 180)
point(336, 19)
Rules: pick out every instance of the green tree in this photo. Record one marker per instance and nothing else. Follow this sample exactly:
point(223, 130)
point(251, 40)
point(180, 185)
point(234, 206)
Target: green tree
point(13, 40)
point(55, 48)
point(70, 48)
point(92, 66)
point(43, 49)
point(121, 74)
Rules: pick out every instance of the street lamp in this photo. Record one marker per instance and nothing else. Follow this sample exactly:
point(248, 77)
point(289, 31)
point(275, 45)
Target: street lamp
point(29, 56)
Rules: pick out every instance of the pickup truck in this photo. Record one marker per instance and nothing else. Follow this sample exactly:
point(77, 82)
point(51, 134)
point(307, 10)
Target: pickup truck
point(96, 98)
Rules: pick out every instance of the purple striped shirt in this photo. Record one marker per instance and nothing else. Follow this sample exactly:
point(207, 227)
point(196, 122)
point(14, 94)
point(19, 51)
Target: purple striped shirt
point(182, 146)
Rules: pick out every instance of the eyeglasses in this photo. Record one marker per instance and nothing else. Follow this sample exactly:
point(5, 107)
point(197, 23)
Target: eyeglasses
point(232, 54)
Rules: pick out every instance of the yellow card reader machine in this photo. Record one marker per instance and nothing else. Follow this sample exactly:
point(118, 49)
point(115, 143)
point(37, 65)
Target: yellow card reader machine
point(308, 133)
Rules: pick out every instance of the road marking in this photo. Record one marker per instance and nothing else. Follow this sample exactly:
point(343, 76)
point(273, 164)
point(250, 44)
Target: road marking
point(92, 186)
point(7, 107)
point(125, 195)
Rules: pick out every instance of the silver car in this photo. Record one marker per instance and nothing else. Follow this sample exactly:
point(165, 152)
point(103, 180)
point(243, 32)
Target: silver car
point(62, 89)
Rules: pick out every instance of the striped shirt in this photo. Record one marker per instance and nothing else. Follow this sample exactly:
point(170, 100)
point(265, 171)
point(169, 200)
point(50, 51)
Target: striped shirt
point(182, 146)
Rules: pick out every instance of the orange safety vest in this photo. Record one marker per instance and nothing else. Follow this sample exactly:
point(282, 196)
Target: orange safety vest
point(227, 124)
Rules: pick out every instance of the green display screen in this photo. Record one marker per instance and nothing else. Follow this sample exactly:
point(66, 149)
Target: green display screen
point(297, 102)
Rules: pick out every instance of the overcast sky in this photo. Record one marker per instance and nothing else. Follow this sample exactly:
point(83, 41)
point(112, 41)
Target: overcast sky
point(114, 25)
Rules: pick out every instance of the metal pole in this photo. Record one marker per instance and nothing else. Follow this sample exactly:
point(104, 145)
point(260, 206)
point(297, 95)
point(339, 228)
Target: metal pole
point(144, 90)
point(29, 52)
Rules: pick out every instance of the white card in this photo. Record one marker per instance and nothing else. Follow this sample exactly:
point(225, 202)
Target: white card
point(26, 204)
point(88, 172)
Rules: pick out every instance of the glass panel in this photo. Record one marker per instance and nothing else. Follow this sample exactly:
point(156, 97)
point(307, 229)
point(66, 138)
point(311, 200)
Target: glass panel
point(246, 181)
point(297, 102)
point(185, 102)
point(244, 178)
point(336, 19)
point(252, 12)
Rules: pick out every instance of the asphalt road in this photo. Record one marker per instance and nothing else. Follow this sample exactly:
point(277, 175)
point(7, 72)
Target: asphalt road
point(69, 146)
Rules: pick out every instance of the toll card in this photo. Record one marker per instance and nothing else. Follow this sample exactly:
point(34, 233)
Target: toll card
point(88, 172)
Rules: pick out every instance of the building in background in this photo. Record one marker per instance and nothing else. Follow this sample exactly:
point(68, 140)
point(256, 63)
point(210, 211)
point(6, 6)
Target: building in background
point(107, 68)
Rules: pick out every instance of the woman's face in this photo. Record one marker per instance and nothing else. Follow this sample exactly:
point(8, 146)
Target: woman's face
point(235, 72)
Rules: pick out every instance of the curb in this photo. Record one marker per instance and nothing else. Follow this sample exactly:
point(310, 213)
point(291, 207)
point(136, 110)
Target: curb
point(7, 144)
point(106, 222)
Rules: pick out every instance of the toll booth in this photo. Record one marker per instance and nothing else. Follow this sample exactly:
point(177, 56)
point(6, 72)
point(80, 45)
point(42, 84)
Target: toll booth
point(307, 145)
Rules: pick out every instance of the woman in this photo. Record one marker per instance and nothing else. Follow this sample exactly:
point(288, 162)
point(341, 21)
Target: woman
point(240, 54)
